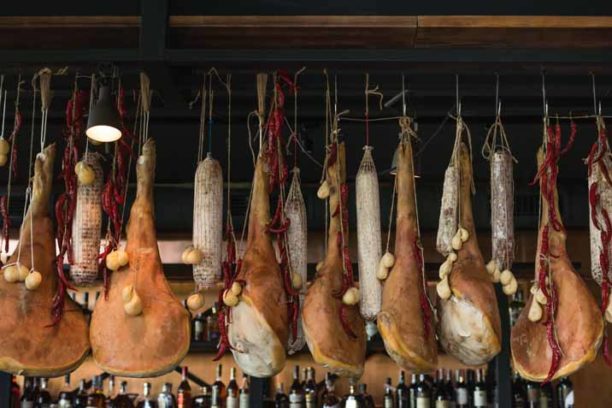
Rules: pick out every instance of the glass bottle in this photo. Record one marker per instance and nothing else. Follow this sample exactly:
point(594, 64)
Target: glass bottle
point(183, 392)
point(146, 401)
point(388, 400)
point(519, 394)
point(64, 399)
point(329, 399)
point(461, 390)
point(516, 306)
point(244, 392)
point(43, 399)
point(480, 391)
point(423, 394)
point(470, 381)
point(367, 399)
point(203, 400)
point(296, 392)
point(122, 400)
point(412, 392)
point(441, 396)
point(310, 389)
point(351, 400)
point(450, 390)
point(281, 400)
point(110, 396)
point(199, 324)
point(219, 393)
point(402, 392)
point(546, 395)
point(565, 393)
point(96, 399)
point(533, 394)
point(79, 399)
point(27, 398)
point(212, 326)
point(166, 399)
point(231, 400)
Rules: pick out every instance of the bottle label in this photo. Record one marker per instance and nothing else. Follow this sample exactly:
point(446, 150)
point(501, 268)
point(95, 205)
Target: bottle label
point(462, 396)
point(64, 404)
point(296, 400)
point(422, 402)
point(569, 400)
point(442, 404)
point(480, 398)
point(388, 403)
point(352, 403)
point(231, 401)
point(543, 401)
point(244, 400)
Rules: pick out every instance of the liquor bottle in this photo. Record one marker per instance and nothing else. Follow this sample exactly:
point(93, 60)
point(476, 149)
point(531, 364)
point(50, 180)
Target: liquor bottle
point(304, 375)
point(480, 391)
point(352, 400)
point(470, 376)
point(64, 399)
point(123, 400)
point(27, 398)
point(219, 393)
point(43, 399)
point(199, 324)
point(388, 400)
point(412, 391)
point(441, 397)
point(329, 399)
point(203, 400)
point(96, 399)
point(183, 393)
point(231, 400)
point(212, 326)
point(519, 393)
point(110, 396)
point(166, 399)
point(281, 400)
point(79, 399)
point(244, 392)
point(516, 306)
point(461, 390)
point(450, 390)
point(423, 393)
point(367, 399)
point(565, 393)
point(404, 394)
point(533, 394)
point(146, 401)
point(546, 395)
point(296, 392)
point(310, 389)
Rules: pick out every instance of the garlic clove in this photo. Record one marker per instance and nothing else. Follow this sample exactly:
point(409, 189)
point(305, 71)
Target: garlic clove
point(540, 297)
point(112, 261)
point(382, 272)
point(511, 287)
point(491, 266)
point(296, 280)
point(535, 312)
point(4, 146)
point(351, 296)
point(445, 269)
point(230, 299)
point(3, 160)
point(85, 174)
point(22, 272)
point(195, 302)
point(194, 256)
point(11, 275)
point(323, 191)
point(127, 293)
point(464, 234)
point(236, 288)
point(496, 275)
point(505, 277)
point(456, 242)
point(319, 266)
point(33, 280)
point(122, 257)
point(388, 260)
point(608, 313)
point(443, 289)
point(452, 257)
point(185, 255)
point(533, 289)
point(134, 306)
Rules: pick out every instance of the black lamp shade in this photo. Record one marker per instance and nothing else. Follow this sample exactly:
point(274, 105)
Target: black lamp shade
point(103, 124)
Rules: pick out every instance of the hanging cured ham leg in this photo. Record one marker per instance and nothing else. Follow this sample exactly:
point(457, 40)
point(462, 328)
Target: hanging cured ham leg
point(406, 319)
point(470, 328)
point(577, 325)
point(258, 331)
point(340, 349)
point(141, 329)
point(29, 344)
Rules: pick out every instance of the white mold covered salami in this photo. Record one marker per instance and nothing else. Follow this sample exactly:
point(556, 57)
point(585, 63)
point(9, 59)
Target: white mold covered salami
point(447, 225)
point(598, 185)
point(502, 209)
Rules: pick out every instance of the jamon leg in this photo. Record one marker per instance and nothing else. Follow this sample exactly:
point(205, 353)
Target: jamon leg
point(258, 331)
point(578, 322)
point(407, 332)
point(329, 343)
point(155, 341)
point(29, 345)
point(470, 328)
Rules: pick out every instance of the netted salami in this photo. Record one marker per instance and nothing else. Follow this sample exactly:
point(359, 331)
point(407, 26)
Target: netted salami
point(502, 209)
point(447, 224)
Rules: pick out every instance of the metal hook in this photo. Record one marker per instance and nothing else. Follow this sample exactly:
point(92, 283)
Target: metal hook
point(499, 109)
point(457, 99)
point(544, 101)
point(403, 96)
point(595, 95)
point(497, 101)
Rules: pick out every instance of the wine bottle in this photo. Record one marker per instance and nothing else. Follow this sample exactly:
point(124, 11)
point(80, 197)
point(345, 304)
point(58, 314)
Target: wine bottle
point(244, 392)
point(296, 393)
point(423, 393)
point(516, 306)
point(565, 393)
point(403, 394)
point(212, 325)
point(219, 392)
point(441, 397)
point(146, 401)
point(166, 399)
point(110, 396)
point(96, 399)
point(123, 400)
point(43, 399)
point(203, 400)
point(519, 393)
point(310, 389)
point(412, 391)
point(281, 400)
point(79, 399)
point(461, 390)
point(470, 376)
point(64, 399)
point(199, 324)
point(183, 393)
point(480, 391)
point(546, 395)
point(533, 394)
point(351, 400)
point(27, 398)
point(450, 390)
point(329, 398)
point(231, 400)
point(366, 399)
point(388, 400)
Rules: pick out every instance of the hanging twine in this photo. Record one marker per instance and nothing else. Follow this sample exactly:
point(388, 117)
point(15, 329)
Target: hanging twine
point(262, 82)
point(370, 91)
point(202, 130)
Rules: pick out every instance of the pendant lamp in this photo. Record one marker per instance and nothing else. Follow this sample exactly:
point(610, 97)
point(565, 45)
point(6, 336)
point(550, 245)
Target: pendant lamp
point(103, 124)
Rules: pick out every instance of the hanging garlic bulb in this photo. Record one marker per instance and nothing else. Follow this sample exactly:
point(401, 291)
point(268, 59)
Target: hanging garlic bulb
point(33, 280)
point(195, 302)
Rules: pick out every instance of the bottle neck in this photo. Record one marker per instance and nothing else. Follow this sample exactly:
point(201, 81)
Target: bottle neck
point(219, 372)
